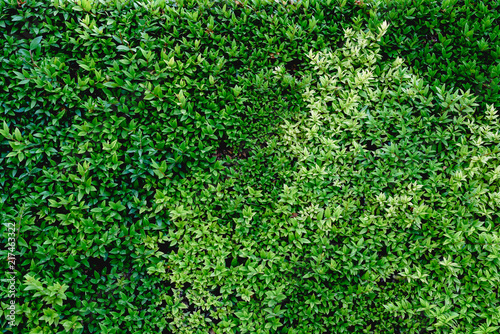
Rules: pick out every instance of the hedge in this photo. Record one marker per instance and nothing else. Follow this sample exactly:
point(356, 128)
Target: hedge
point(237, 167)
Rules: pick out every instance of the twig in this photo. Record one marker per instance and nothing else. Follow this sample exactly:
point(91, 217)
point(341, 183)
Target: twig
point(31, 54)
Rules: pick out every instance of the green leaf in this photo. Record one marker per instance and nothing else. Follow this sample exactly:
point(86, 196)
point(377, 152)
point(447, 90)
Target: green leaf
point(35, 43)
point(17, 135)
point(37, 330)
point(123, 48)
point(22, 243)
point(111, 84)
point(5, 132)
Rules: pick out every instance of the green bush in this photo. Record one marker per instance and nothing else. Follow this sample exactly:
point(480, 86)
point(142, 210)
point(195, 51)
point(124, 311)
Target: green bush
point(108, 105)
point(236, 167)
point(380, 228)
point(452, 42)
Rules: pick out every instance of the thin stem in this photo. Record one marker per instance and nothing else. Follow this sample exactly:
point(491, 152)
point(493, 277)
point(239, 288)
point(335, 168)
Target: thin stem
point(31, 54)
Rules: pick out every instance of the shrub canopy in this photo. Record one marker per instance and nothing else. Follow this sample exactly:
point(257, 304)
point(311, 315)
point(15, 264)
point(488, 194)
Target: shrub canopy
point(237, 167)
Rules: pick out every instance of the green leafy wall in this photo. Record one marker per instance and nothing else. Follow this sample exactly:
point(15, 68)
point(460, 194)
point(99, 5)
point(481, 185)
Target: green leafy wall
point(144, 163)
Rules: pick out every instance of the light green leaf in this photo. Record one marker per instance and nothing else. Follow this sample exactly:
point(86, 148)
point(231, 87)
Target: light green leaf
point(35, 43)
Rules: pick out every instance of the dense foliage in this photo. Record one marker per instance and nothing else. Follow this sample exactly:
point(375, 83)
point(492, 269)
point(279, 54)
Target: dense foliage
point(250, 167)
point(450, 42)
